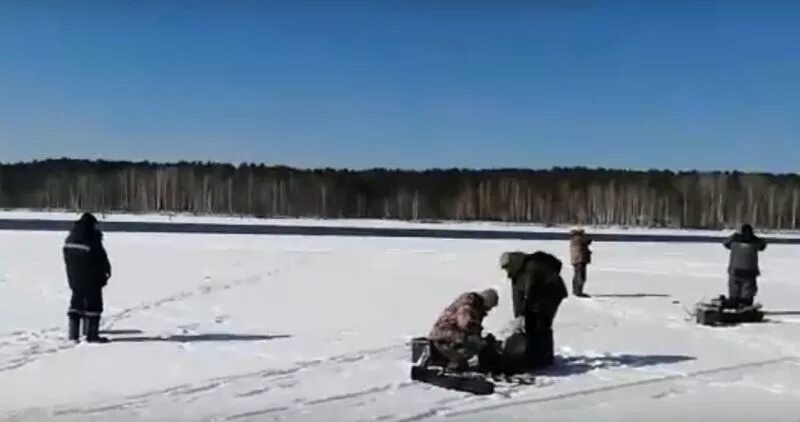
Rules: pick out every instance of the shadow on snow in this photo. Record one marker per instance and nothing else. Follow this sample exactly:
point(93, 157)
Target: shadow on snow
point(576, 365)
point(120, 332)
point(779, 313)
point(631, 295)
point(199, 338)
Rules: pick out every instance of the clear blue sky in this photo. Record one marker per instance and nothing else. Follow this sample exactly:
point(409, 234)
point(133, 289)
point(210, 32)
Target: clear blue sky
point(412, 84)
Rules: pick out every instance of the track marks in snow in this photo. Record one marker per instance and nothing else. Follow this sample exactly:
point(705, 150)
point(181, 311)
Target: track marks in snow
point(256, 392)
point(503, 391)
point(275, 378)
point(33, 352)
point(256, 413)
point(206, 289)
point(49, 341)
point(466, 405)
point(358, 394)
point(613, 387)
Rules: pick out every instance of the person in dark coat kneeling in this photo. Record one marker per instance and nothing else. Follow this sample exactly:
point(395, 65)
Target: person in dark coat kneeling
point(88, 271)
point(743, 268)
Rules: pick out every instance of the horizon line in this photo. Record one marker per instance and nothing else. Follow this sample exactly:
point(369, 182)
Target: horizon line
point(242, 164)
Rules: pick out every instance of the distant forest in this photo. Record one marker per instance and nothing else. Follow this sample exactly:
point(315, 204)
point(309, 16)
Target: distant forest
point(554, 197)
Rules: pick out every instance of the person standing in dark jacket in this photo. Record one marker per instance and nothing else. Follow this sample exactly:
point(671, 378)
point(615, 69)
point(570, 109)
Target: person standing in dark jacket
point(88, 271)
point(743, 268)
point(539, 277)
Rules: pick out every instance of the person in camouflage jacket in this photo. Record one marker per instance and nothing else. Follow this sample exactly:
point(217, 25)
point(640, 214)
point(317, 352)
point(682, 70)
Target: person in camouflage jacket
point(457, 334)
point(580, 257)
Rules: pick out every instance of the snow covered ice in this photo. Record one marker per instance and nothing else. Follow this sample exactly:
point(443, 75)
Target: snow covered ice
point(258, 328)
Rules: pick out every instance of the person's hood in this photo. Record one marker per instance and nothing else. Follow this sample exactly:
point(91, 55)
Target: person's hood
point(512, 262)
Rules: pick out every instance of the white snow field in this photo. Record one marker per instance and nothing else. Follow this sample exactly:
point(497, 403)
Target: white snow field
point(260, 328)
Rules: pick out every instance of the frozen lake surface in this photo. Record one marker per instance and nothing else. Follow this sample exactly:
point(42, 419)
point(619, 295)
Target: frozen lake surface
point(254, 328)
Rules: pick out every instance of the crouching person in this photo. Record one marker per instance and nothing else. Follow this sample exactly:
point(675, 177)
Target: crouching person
point(456, 336)
point(743, 268)
point(538, 277)
point(88, 271)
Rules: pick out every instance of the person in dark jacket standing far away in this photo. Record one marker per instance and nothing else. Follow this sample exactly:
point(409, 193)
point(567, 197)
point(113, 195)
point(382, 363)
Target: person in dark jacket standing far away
point(538, 277)
point(88, 271)
point(743, 266)
point(457, 333)
point(581, 257)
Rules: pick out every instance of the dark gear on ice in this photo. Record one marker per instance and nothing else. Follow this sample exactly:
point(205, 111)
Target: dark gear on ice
point(580, 257)
point(457, 334)
point(743, 268)
point(88, 271)
point(538, 277)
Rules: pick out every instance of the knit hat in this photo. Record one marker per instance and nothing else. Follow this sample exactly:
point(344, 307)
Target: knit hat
point(88, 219)
point(490, 298)
point(512, 262)
point(86, 224)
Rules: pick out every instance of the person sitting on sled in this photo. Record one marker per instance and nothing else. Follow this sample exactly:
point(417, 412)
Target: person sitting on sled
point(456, 336)
point(743, 269)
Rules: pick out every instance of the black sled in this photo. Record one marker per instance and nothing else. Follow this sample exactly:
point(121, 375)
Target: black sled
point(428, 368)
point(719, 312)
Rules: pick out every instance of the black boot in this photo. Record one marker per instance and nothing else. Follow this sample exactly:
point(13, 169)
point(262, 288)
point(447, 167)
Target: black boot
point(93, 331)
point(577, 288)
point(546, 355)
point(540, 353)
point(74, 328)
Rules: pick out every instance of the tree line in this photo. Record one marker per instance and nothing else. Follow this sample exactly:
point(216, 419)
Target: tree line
point(557, 196)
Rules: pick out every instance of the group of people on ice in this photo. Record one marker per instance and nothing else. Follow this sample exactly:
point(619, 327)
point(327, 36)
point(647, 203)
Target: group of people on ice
point(537, 292)
point(457, 336)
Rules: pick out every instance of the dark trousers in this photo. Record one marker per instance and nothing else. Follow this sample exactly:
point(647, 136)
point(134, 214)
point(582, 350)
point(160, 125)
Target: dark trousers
point(742, 290)
point(86, 303)
point(540, 345)
point(518, 298)
point(578, 278)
